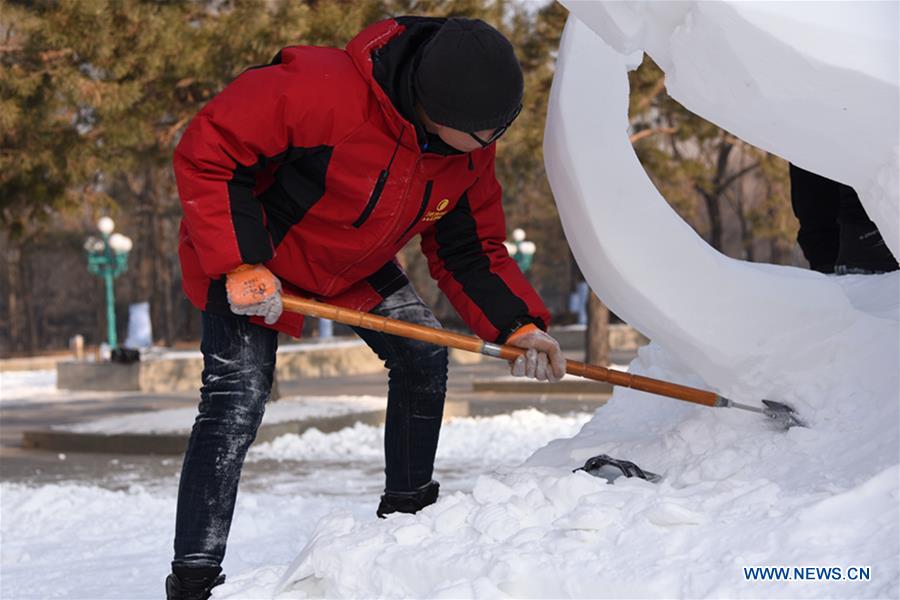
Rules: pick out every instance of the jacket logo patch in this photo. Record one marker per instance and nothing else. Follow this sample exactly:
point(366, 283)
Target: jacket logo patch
point(439, 211)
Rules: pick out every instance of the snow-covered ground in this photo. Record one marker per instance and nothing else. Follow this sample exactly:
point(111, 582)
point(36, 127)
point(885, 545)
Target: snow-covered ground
point(81, 540)
point(39, 387)
point(737, 494)
point(29, 386)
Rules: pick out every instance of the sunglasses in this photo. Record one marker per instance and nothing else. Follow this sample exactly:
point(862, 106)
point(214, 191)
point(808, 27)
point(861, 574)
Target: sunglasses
point(497, 132)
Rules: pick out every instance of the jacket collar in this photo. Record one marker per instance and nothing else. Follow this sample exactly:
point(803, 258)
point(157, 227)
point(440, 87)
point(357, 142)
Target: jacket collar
point(386, 54)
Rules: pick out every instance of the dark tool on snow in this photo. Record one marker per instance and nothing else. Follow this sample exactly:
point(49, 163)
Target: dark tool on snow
point(610, 469)
point(781, 413)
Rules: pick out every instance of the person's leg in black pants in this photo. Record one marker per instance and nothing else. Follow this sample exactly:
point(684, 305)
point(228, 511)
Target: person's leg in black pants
point(862, 250)
point(836, 235)
point(816, 203)
point(238, 367)
point(417, 385)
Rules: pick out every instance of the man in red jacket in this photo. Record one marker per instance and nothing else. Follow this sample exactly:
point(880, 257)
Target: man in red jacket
point(308, 175)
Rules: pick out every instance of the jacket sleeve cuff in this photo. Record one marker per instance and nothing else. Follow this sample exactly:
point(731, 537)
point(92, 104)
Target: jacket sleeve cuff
point(517, 324)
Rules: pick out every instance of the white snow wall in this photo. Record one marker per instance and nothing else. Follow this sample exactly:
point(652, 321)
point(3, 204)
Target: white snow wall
point(827, 101)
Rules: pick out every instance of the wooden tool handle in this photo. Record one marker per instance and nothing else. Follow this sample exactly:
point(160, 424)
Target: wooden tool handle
point(355, 318)
point(441, 337)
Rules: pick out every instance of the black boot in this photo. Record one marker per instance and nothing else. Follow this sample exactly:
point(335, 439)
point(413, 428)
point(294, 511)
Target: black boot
point(408, 502)
point(192, 583)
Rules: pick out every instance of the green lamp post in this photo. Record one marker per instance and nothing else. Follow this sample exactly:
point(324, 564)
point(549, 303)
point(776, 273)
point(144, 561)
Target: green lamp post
point(107, 257)
point(521, 250)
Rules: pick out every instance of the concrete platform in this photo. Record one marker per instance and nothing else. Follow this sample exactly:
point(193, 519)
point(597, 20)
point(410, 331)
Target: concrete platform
point(56, 440)
point(180, 371)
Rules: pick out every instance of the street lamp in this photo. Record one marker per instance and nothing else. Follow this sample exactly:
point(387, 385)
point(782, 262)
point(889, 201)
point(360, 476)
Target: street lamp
point(521, 249)
point(107, 257)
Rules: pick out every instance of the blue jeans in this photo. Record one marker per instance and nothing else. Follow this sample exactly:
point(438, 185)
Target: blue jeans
point(238, 367)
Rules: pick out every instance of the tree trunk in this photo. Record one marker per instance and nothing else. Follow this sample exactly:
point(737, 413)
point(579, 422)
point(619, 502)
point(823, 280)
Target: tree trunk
point(741, 210)
point(715, 220)
point(714, 197)
point(781, 253)
point(746, 235)
point(140, 262)
point(597, 333)
point(30, 315)
point(163, 266)
point(16, 318)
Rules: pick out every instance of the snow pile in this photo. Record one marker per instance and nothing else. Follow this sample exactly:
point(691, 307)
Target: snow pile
point(487, 441)
point(539, 535)
point(737, 494)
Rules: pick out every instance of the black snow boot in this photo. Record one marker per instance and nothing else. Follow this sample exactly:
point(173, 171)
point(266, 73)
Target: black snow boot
point(408, 502)
point(863, 251)
point(192, 583)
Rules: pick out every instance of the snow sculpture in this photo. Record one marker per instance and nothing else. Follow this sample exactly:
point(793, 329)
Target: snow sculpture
point(749, 330)
point(815, 83)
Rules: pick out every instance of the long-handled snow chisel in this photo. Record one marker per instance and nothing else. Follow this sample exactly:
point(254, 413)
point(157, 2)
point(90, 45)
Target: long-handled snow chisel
point(779, 412)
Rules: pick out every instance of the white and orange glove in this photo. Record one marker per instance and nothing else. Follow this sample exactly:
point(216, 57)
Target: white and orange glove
point(254, 290)
point(543, 361)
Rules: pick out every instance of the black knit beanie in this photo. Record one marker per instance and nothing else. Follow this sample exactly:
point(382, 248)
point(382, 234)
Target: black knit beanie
point(468, 77)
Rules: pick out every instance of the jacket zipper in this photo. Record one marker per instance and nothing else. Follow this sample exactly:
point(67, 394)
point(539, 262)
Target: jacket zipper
point(425, 198)
point(374, 248)
point(379, 187)
point(373, 199)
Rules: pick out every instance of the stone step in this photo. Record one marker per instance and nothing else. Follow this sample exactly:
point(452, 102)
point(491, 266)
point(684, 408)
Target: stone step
point(60, 440)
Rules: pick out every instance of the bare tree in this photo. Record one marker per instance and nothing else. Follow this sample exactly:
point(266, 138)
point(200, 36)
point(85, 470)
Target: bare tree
point(597, 334)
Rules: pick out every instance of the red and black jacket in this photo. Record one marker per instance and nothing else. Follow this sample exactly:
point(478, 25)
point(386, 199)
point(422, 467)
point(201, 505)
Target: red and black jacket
point(315, 166)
